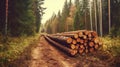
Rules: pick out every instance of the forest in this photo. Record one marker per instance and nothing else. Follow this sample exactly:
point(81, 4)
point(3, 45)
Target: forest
point(98, 15)
point(21, 29)
point(27, 17)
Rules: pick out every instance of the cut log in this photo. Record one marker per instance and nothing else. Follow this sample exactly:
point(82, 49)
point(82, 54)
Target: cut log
point(69, 40)
point(89, 35)
point(66, 35)
point(85, 44)
point(76, 36)
point(86, 32)
point(91, 50)
point(80, 34)
point(96, 40)
point(81, 50)
point(81, 46)
point(91, 44)
point(74, 41)
point(80, 40)
point(73, 46)
point(62, 40)
point(77, 46)
point(67, 50)
point(94, 34)
point(73, 52)
point(84, 37)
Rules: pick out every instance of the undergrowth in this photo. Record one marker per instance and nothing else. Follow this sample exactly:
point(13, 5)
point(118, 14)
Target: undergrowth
point(111, 45)
point(12, 49)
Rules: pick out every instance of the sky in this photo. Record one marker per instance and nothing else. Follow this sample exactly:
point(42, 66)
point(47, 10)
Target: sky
point(53, 6)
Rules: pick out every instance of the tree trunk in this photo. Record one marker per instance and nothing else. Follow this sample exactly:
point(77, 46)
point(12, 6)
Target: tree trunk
point(6, 20)
point(85, 20)
point(91, 15)
point(109, 16)
point(95, 15)
point(101, 32)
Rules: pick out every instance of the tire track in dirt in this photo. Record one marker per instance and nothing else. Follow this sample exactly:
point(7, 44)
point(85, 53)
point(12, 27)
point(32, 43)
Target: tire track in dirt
point(44, 55)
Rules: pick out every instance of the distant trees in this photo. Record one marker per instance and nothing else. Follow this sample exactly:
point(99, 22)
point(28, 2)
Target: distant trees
point(77, 18)
point(101, 16)
point(111, 17)
point(60, 22)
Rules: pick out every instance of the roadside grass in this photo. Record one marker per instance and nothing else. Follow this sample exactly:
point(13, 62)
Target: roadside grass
point(111, 51)
point(111, 45)
point(14, 47)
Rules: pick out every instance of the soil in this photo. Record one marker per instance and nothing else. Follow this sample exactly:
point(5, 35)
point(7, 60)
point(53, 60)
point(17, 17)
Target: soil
point(43, 54)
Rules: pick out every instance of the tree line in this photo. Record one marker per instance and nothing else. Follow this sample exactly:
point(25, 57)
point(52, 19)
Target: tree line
point(101, 16)
point(24, 17)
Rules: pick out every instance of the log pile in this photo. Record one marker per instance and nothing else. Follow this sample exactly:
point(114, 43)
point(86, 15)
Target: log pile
point(80, 42)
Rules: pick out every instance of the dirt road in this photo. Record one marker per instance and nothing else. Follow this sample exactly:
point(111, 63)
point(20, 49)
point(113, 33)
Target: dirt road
point(45, 55)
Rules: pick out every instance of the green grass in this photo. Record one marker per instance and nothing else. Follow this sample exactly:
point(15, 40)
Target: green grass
point(111, 45)
point(12, 49)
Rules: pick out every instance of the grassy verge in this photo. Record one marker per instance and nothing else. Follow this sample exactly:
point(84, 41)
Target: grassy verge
point(111, 48)
point(111, 45)
point(14, 47)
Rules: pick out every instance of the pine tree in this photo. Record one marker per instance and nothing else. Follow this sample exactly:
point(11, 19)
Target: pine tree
point(21, 18)
point(65, 14)
point(38, 13)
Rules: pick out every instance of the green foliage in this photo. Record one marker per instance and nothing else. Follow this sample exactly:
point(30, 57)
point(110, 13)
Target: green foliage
point(38, 13)
point(77, 24)
point(111, 45)
point(24, 17)
point(65, 11)
point(21, 18)
point(13, 48)
point(78, 19)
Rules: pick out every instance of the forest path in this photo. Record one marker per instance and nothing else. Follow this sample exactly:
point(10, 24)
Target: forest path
point(46, 55)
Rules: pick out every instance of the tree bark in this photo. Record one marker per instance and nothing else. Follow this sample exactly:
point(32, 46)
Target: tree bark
point(91, 15)
point(95, 15)
point(101, 31)
point(109, 16)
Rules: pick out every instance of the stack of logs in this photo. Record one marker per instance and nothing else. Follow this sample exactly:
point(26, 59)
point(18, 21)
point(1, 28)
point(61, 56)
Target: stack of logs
point(77, 42)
